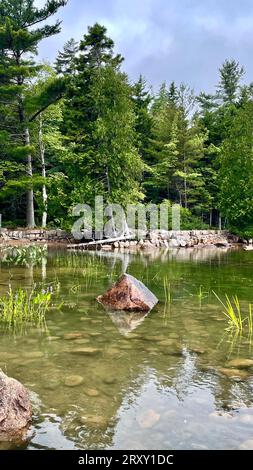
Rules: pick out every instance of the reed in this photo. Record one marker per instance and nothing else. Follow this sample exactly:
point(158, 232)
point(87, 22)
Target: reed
point(233, 312)
point(23, 306)
point(167, 290)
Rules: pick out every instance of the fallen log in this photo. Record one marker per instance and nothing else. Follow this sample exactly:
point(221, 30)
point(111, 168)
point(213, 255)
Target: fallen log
point(83, 246)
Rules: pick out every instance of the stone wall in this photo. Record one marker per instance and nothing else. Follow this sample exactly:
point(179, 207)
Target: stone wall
point(36, 235)
point(166, 239)
point(177, 239)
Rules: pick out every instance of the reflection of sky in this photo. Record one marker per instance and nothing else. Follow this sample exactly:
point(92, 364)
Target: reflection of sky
point(187, 411)
point(166, 40)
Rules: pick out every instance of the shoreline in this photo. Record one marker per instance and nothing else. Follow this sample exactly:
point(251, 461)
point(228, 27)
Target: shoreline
point(149, 241)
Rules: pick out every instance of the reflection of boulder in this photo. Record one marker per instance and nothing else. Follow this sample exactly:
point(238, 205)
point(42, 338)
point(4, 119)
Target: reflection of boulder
point(15, 409)
point(126, 321)
point(129, 294)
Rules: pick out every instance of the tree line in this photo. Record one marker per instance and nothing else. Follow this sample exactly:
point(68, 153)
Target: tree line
point(79, 127)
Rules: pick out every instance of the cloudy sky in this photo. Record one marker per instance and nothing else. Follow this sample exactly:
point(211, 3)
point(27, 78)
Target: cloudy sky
point(165, 40)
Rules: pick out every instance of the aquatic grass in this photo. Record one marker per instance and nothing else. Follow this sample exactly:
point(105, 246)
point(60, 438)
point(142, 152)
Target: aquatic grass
point(233, 311)
point(167, 290)
point(24, 256)
point(24, 306)
point(250, 320)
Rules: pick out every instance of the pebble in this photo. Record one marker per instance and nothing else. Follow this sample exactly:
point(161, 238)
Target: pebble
point(94, 421)
point(197, 350)
point(72, 336)
point(240, 363)
point(91, 392)
point(86, 351)
point(110, 380)
point(148, 419)
point(233, 373)
point(73, 380)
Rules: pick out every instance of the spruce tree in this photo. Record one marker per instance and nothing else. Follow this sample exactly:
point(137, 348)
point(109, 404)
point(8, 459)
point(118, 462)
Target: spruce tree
point(65, 61)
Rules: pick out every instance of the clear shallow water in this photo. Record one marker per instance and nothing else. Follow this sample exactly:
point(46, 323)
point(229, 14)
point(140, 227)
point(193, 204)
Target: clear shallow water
point(148, 382)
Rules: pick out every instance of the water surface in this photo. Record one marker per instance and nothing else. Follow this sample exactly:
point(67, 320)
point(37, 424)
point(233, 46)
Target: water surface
point(100, 380)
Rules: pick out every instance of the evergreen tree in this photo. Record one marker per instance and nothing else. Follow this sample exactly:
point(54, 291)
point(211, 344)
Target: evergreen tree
point(65, 61)
point(19, 38)
point(143, 124)
point(99, 120)
point(236, 173)
point(231, 74)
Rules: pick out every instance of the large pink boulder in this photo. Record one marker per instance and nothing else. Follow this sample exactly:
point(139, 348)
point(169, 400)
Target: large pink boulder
point(15, 408)
point(128, 294)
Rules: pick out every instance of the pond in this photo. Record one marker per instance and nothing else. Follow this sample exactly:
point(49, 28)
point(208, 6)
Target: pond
point(160, 381)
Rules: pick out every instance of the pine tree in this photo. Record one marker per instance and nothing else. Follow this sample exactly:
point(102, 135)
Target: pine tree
point(19, 39)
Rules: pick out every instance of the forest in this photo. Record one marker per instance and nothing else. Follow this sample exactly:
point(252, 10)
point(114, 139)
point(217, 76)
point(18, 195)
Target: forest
point(79, 127)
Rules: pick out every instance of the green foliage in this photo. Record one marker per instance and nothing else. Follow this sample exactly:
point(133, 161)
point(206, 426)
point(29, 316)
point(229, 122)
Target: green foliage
point(81, 129)
point(22, 306)
point(236, 318)
point(24, 256)
point(236, 172)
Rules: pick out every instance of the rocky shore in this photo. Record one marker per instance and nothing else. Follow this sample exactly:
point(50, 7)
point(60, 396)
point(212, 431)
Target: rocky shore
point(167, 239)
point(150, 240)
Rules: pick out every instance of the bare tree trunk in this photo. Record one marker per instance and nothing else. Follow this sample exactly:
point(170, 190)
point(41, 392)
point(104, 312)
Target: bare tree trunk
point(43, 172)
point(220, 223)
point(210, 218)
point(113, 234)
point(30, 220)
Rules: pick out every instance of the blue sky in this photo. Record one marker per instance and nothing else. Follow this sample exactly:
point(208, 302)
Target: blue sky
point(165, 40)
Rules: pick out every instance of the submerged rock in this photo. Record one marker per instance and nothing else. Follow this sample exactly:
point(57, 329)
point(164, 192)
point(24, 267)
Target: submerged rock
point(240, 363)
point(73, 380)
point(91, 392)
point(15, 408)
point(148, 419)
point(96, 422)
point(86, 351)
point(128, 294)
point(72, 336)
point(233, 373)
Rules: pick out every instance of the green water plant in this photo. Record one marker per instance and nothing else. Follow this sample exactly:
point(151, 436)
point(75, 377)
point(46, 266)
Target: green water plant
point(21, 306)
point(167, 290)
point(237, 319)
point(24, 256)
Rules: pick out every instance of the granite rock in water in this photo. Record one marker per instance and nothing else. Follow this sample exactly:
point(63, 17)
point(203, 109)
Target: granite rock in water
point(128, 294)
point(15, 408)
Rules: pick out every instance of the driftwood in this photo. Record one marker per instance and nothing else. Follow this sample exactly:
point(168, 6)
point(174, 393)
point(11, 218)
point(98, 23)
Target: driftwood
point(83, 246)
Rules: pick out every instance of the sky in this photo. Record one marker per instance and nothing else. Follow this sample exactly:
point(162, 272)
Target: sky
point(164, 40)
